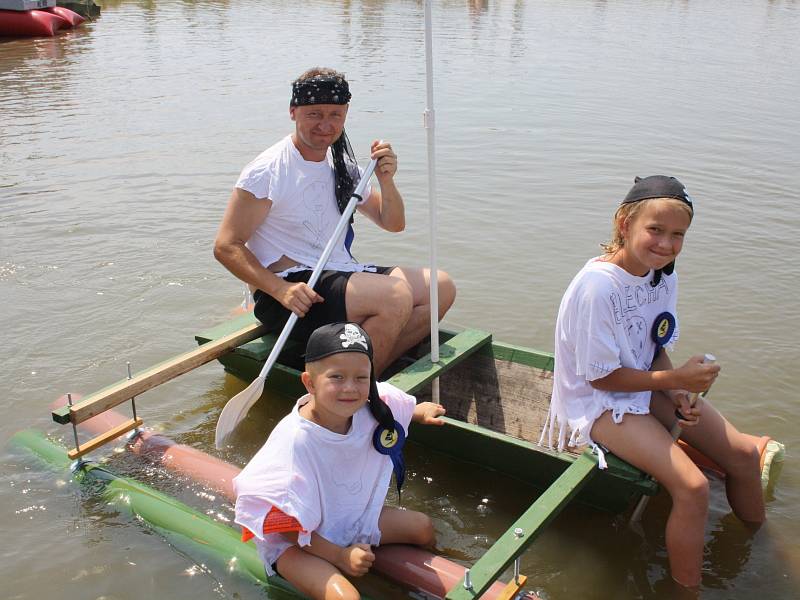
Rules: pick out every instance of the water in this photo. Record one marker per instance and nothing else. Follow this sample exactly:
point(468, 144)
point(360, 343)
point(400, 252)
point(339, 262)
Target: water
point(120, 141)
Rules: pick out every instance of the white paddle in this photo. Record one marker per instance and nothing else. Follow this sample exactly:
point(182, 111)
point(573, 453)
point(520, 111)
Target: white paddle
point(676, 433)
point(237, 407)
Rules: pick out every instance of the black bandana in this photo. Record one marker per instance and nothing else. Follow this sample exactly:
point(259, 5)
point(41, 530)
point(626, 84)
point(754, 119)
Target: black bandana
point(345, 170)
point(320, 89)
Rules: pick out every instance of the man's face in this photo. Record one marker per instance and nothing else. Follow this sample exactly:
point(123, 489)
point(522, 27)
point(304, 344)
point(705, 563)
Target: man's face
point(319, 125)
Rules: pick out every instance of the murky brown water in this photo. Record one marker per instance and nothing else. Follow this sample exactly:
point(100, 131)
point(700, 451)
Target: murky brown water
point(119, 143)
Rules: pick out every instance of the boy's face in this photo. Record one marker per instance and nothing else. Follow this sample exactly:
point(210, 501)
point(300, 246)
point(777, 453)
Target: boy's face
point(339, 384)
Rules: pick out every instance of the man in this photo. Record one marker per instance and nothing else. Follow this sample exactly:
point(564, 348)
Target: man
point(283, 211)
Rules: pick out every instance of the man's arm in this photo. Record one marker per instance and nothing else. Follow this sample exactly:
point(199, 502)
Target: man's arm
point(385, 207)
point(242, 217)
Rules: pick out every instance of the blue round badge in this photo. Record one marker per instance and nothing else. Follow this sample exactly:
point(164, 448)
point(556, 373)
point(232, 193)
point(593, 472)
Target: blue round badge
point(391, 442)
point(387, 441)
point(663, 329)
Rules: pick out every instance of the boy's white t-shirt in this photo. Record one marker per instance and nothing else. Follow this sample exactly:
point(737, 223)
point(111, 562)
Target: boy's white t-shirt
point(333, 484)
point(304, 212)
point(604, 323)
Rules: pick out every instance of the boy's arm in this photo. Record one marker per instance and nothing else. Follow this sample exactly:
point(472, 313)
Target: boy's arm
point(354, 560)
point(428, 413)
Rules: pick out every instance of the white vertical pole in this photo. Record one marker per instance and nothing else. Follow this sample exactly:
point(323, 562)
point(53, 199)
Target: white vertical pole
point(430, 125)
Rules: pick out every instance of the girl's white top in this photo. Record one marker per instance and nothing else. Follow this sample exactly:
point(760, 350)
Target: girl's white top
point(333, 484)
point(304, 212)
point(604, 323)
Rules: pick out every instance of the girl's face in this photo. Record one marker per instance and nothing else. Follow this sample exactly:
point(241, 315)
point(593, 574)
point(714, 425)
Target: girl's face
point(653, 237)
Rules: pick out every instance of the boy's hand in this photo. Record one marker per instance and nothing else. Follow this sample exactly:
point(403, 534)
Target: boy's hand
point(695, 375)
point(356, 560)
point(428, 413)
point(682, 401)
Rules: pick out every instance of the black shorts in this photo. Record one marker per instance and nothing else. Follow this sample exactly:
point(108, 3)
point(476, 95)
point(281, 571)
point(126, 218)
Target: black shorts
point(332, 286)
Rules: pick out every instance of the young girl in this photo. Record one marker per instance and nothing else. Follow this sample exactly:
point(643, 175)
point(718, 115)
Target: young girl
point(615, 386)
point(313, 495)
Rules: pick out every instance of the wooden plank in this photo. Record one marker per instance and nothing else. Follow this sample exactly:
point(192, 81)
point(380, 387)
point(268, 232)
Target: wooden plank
point(512, 588)
point(124, 390)
point(451, 353)
point(510, 545)
point(104, 438)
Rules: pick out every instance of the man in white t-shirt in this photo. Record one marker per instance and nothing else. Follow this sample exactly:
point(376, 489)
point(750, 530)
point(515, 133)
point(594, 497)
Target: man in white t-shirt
point(283, 211)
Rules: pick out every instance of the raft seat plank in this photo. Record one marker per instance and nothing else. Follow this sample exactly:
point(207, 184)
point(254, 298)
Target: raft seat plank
point(104, 438)
point(511, 544)
point(452, 352)
point(128, 388)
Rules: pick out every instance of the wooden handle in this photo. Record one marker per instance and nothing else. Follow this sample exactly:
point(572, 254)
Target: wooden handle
point(125, 390)
point(104, 438)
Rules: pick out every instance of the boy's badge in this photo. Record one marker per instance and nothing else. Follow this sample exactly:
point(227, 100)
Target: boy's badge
point(391, 442)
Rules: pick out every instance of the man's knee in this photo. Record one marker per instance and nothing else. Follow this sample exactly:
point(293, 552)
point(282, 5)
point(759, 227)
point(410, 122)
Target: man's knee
point(398, 302)
point(447, 292)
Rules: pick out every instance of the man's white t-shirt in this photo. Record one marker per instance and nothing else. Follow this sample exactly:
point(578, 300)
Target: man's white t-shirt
point(604, 322)
point(333, 484)
point(304, 212)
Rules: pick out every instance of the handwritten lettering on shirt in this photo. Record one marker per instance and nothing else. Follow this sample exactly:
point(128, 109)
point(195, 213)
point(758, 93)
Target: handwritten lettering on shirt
point(635, 297)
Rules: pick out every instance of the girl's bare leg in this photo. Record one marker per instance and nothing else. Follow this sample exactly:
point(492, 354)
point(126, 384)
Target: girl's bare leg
point(715, 437)
point(642, 441)
point(315, 577)
point(405, 527)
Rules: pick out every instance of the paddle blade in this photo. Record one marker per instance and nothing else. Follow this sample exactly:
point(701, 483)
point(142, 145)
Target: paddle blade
point(236, 410)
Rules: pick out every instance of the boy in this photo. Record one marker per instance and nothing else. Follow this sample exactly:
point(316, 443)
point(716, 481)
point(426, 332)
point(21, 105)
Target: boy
point(313, 495)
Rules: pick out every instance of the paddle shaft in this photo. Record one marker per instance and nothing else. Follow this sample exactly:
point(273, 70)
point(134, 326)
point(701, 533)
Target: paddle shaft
point(344, 221)
point(154, 376)
point(676, 428)
point(676, 433)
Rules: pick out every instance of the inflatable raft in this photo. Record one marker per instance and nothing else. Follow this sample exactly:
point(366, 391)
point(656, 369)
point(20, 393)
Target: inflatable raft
point(37, 23)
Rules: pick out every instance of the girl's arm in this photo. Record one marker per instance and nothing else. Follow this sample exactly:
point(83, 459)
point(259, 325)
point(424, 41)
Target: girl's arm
point(428, 413)
point(693, 376)
point(354, 560)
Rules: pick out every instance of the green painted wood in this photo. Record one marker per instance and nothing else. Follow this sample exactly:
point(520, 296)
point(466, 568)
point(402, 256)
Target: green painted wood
point(511, 545)
point(523, 356)
point(614, 490)
point(451, 352)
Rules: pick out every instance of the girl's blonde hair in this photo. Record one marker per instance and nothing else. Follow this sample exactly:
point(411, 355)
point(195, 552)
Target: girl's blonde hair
point(626, 213)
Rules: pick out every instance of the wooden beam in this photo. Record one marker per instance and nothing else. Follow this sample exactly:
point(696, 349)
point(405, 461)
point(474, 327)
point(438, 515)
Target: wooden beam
point(513, 543)
point(104, 438)
point(452, 352)
point(124, 390)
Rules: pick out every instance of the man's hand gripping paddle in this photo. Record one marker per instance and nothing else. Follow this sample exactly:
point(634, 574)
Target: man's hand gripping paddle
point(237, 407)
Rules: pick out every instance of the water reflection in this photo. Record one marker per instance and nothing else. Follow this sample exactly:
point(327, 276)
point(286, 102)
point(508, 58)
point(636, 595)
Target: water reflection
point(119, 143)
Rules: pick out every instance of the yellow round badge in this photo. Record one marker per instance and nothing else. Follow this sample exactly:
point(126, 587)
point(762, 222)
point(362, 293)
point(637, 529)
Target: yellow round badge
point(388, 438)
point(663, 328)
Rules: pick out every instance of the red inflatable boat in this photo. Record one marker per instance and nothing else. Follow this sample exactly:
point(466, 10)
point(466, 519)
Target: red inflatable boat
point(37, 23)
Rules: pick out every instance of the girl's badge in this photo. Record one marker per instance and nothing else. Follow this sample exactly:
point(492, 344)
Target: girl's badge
point(662, 332)
point(390, 442)
point(663, 329)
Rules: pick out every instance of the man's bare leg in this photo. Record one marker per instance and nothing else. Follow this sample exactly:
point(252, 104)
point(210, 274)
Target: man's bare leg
point(382, 306)
point(395, 310)
point(419, 323)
